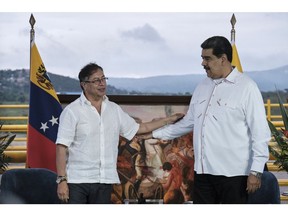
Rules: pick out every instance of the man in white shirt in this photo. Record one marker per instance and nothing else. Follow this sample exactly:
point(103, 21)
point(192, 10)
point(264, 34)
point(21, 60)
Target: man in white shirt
point(231, 134)
point(88, 138)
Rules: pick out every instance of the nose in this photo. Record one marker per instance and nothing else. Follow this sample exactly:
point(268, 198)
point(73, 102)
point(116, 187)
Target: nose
point(203, 62)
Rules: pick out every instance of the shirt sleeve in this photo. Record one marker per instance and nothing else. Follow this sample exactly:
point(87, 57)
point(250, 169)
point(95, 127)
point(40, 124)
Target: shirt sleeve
point(259, 129)
point(128, 126)
point(178, 129)
point(67, 127)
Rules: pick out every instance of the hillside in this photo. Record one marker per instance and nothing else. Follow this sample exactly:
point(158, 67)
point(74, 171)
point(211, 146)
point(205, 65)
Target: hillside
point(185, 84)
point(14, 84)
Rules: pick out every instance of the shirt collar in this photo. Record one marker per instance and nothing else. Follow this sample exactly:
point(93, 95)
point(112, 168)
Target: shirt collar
point(84, 100)
point(232, 77)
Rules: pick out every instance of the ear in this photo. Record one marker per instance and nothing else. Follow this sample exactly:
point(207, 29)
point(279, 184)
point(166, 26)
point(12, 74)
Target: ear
point(224, 58)
point(82, 84)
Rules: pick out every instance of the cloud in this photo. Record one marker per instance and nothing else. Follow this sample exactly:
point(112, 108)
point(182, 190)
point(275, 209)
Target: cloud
point(145, 33)
point(140, 44)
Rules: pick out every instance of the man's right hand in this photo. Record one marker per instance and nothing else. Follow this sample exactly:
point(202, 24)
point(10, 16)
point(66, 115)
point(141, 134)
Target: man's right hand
point(63, 191)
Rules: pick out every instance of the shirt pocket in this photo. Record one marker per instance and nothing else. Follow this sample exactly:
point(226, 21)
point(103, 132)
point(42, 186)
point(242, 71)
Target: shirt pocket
point(199, 107)
point(225, 111)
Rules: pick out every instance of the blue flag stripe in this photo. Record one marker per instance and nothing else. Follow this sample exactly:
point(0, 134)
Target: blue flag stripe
point(44, 111)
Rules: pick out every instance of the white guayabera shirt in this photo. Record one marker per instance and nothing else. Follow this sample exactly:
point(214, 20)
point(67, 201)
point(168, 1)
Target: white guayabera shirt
point(93, 139)
point(230, 130)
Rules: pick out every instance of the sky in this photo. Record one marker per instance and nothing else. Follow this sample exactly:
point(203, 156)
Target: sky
point(135, 43)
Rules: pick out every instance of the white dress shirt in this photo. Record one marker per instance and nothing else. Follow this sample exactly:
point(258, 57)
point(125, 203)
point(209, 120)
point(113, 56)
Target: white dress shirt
point(93, 139)
point(230, 130)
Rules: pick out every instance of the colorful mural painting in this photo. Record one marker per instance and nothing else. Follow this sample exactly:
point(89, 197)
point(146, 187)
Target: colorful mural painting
point(156, 170)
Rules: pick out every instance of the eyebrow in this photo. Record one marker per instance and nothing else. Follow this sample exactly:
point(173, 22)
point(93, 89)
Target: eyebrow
point(95, 78)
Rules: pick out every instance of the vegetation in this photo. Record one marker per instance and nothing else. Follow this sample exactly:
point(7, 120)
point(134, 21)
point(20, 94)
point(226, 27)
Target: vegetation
point(5, 140)
point(15, 89)
point(15, 86)
point(280, 149)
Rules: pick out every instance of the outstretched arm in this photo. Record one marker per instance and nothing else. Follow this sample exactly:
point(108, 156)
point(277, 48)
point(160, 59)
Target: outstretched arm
point(155, 124)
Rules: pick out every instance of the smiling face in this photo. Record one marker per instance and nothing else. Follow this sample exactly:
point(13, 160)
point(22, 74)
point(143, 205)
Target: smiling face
point(95, 86)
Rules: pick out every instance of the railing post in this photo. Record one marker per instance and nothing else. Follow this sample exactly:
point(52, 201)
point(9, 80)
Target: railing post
point(269, 109)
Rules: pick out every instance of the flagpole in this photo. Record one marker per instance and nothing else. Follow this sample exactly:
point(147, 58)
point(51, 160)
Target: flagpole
point(235, 58)
point(32, 22)
point(233, 32)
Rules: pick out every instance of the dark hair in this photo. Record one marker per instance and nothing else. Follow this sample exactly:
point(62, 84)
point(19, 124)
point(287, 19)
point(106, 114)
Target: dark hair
point(220, 46)
point(87, 71)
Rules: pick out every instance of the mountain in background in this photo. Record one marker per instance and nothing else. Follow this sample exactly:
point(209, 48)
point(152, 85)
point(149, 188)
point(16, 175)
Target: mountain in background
point(268, 80)
point(14, 84)
point(185, 84)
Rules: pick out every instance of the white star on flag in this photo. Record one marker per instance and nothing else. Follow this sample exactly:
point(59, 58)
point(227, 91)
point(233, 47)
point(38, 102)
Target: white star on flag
point(44, 126)
point(54, 120)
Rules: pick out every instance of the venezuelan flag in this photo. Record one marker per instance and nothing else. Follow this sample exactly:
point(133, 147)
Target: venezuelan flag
point(44, 112)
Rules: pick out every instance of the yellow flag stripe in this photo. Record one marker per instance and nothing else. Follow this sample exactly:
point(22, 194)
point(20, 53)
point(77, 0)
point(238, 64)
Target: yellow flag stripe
point(235, 59)
point(38, 73)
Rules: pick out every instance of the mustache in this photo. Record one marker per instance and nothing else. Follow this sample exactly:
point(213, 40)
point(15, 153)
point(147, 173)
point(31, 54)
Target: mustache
point(206, 68)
